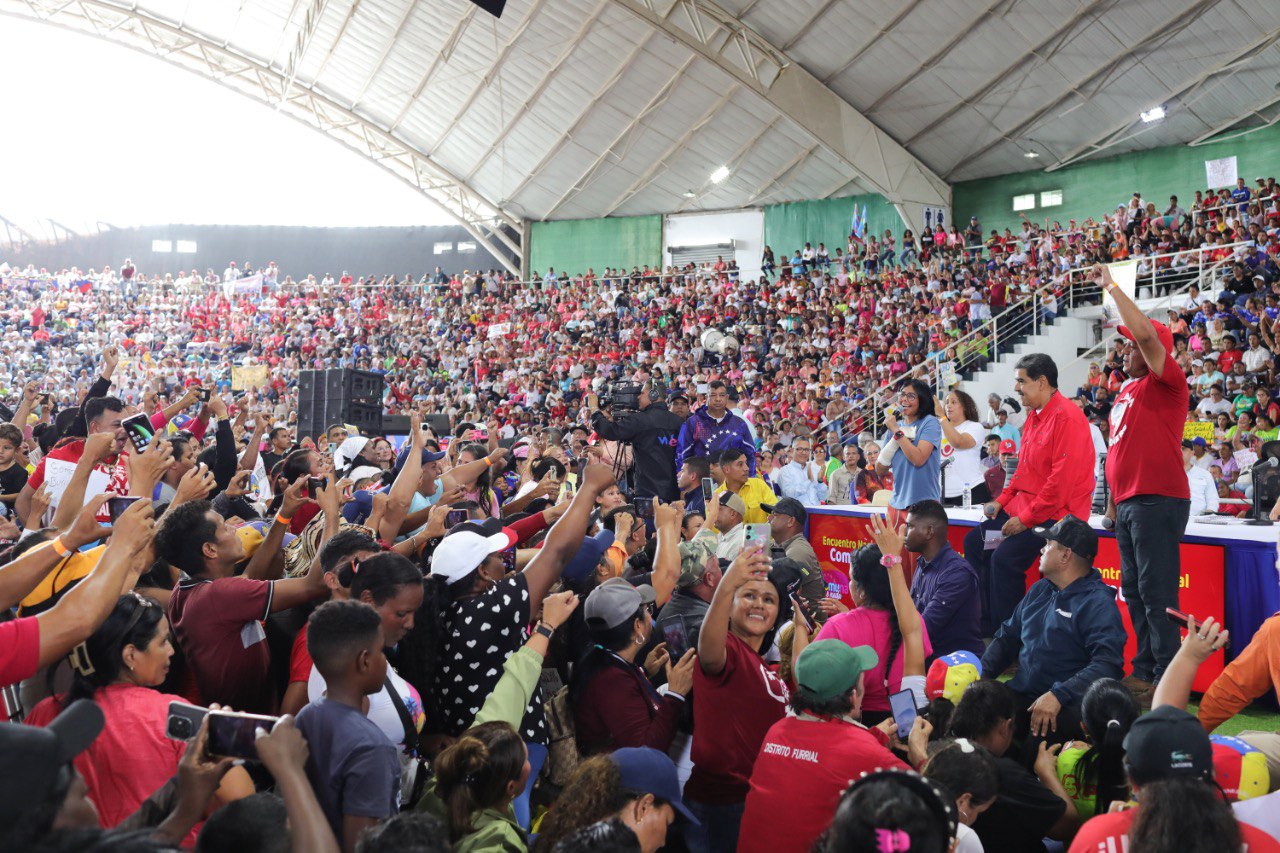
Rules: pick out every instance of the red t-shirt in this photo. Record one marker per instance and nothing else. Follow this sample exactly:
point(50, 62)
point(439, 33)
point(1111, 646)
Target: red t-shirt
point(217, 622)
point(132, 757)
point(19, 650)
point(803, 768)
point(71, 452)
point(300, 662)
point(736, 709)
point(1145, 457)
point(1109, 832)
point(1227, 359)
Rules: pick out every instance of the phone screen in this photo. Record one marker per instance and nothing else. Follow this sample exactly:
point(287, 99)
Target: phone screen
point(903, 705)
point(138, 428)
point(644, 509)
point(676, 636)
point(708, 488)
point(117, 506)
point(509, 561)
point(233, 735)
point(455, 516)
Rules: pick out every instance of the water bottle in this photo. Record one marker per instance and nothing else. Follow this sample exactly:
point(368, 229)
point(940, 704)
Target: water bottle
point(968, 496)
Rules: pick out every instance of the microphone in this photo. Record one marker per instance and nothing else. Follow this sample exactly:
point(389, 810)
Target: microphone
point(1271, 462)
point(947, 462)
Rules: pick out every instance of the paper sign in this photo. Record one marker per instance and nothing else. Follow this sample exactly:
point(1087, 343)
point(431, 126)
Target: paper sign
point(1125, 275)
point(1198, 429)
point(249, 376)
point(57, 476)
point(1221, 172)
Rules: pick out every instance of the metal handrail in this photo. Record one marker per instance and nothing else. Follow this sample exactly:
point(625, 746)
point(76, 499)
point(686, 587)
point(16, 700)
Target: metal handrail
point(1206, 276)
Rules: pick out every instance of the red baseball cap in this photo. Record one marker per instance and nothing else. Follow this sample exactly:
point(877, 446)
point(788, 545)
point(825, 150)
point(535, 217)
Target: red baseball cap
point(1162, 332)
point(1007, 446)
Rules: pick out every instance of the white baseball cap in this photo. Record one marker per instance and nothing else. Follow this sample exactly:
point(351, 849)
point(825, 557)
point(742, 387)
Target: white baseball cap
point(462, 551)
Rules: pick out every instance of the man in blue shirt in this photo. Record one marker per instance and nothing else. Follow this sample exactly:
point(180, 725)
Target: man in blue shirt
point(1006, 430)
point(1065, 634)
point(945, 586)
point(1241, 195)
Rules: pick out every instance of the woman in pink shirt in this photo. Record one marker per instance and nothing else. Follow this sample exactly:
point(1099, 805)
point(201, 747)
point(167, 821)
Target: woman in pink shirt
point(121, 665)
point(873, 623)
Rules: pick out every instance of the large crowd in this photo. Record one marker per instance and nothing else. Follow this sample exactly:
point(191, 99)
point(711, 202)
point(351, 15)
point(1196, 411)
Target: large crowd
point(588, 615)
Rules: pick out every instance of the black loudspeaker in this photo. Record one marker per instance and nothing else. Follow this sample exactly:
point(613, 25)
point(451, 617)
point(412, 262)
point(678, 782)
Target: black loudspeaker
point(493, 7)
point(328, 397)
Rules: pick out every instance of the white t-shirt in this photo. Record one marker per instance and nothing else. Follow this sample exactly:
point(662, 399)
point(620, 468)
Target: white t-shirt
point(382, 712)
point(966, 467)
point(967, 841)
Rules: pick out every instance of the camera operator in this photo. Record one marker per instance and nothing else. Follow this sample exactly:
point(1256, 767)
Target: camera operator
point(651, 430)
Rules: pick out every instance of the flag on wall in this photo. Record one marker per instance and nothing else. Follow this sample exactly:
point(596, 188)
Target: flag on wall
point(859, 223)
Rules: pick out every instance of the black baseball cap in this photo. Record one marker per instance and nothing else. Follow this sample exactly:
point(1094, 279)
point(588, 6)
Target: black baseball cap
point(788, 506)
point(32, 758)
point(1072, 533)
point(1165, 743)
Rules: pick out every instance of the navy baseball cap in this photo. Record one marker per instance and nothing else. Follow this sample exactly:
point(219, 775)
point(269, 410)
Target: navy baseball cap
point(644, 770)
point(427, 456)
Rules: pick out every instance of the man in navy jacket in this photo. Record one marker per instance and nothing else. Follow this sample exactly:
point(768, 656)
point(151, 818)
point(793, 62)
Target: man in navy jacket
point(714, 427)
point(1065, 634)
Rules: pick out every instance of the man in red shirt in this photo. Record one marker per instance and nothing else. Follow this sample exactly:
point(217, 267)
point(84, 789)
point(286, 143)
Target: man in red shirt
point(1054, 477)
point(1149, 500)
point(808, 757)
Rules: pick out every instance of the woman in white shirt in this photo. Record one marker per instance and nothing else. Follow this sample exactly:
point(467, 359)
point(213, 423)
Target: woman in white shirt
point(962, 437)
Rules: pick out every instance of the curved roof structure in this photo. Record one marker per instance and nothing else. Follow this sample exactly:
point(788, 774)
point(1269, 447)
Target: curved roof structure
point(566, 109)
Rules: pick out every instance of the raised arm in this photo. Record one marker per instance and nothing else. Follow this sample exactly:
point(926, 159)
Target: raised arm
point(87, 605)
point(565, 537)
point(1175, 685)
point(889, 541)
point(752, 564)
point(1138, 324)
point(667, 519)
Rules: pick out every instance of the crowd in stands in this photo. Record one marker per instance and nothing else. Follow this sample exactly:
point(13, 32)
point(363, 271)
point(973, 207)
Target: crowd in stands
point(588, 617)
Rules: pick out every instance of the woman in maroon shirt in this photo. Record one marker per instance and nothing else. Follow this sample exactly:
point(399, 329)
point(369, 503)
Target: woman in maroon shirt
point(736, 698)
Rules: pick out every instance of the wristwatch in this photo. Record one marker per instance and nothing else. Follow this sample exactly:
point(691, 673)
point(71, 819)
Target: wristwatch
point(890, 560)
point(898, 435)
point(544, 629)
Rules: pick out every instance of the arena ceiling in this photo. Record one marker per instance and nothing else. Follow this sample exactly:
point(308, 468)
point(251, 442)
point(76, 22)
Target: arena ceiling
point(566, 109)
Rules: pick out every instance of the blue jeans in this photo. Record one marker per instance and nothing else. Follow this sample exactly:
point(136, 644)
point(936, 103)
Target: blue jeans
point(1002, 572)
point(1149, 531)
point(537, 757)
point(718, 832)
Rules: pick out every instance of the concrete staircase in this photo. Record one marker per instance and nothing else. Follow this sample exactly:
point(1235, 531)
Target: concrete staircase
point(1063, 341)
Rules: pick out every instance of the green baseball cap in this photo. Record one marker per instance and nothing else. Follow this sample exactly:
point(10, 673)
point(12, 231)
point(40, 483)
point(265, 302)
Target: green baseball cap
point(830, 668)
point(693, 559)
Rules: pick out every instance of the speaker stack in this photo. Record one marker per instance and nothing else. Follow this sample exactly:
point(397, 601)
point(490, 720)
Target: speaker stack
point(328, 397)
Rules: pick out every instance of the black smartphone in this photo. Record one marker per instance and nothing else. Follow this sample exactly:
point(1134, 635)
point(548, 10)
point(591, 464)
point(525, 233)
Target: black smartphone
point(203, 394)
point(232, 734)
point(509, 561)
point(676, 635)
point(138, 428)
point(903, 705)
point(644, 509)
point(184, 720)
point(315, 485)
point(117, 506)
point(455, 517)
point(708, 488)
point(802, 614)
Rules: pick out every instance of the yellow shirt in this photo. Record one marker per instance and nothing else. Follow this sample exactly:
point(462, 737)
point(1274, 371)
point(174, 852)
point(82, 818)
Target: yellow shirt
point(753, 493)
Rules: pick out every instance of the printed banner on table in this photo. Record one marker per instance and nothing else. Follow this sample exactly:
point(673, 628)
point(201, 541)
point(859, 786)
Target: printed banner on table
point(248, 376)
point(1198, 429)
point(836, 538)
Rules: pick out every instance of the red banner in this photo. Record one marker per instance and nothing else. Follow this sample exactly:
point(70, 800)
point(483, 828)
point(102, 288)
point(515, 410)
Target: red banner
point(836, 538)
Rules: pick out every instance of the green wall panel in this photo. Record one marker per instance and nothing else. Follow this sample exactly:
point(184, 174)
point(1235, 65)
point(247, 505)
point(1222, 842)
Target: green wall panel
point(574, 245)
point(1097, 186)
point(788, 227)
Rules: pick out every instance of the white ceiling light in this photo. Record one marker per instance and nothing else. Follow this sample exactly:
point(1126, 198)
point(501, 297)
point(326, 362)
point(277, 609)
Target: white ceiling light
point(719, 174)
point(689, 194)
point(1153, 114)
point(1031, 155)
